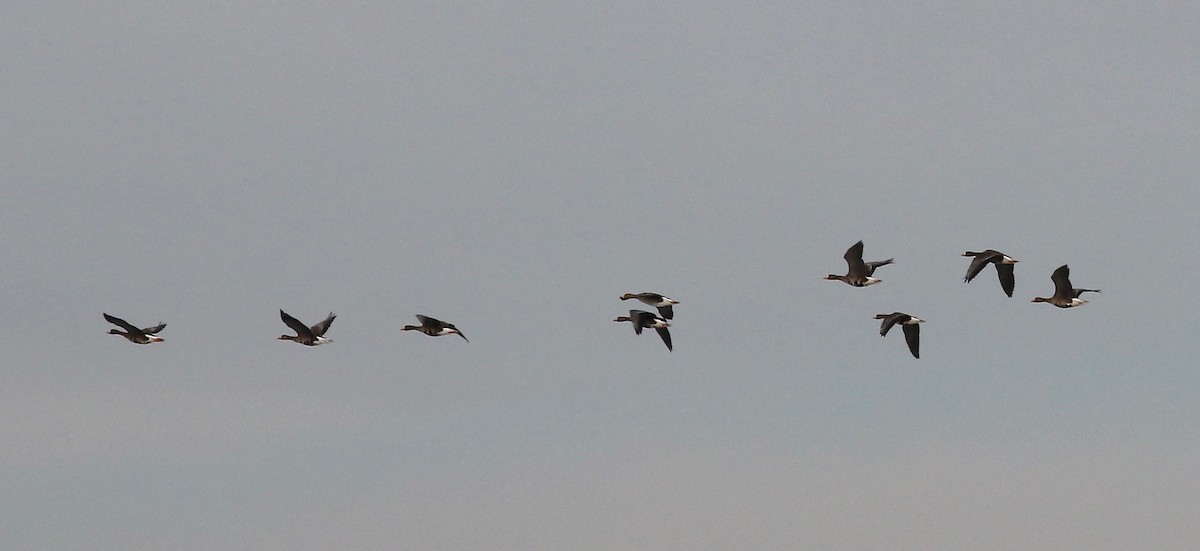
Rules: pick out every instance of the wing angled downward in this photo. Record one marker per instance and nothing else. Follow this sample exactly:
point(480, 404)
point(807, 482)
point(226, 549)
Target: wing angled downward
point(912, 335)
point(667, 312)
point(887, 324)
point(639, 320)
point(666, 337)
point(980, 261)
point(1007, 279)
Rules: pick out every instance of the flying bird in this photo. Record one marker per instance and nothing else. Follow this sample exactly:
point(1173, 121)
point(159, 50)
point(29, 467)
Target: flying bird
point(1003, 263)
point(642, 319)
point(434, 327)
point(656, 300)
point(858, 273)
point(308, 336)
point(1064, 296)
point(912, 331)
point(135, 335)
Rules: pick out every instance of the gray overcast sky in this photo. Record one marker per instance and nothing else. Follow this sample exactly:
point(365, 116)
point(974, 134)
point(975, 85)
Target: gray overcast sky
point(513, 168)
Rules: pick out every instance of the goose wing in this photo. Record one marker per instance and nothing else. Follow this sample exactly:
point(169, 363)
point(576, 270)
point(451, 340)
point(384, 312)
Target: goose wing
point(666, 337)
point(155, 329)
point(667, 312)
point(650, 298)
point(320, 328)
point(1007, 280)
point(978, 263)
point(888, 321)
point(431, 322)
point(1062, 282)
point(123, 325)
point(872, 265)
point(854, 262)
point(912, 335)
point(300, 329)
point(640, 319)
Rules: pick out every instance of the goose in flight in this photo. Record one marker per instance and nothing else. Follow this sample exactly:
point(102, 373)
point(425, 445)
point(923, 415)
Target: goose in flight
point(1064, 295)
point(1003, 263)
point(135, 335)
point(642, 319)
point(308, 336)
point(434, 327)
point(858, 273)
point(656, 300)
point(912, 331)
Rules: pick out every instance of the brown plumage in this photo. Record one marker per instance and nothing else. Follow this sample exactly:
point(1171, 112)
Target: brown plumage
point(434, 327)
point(912, 331)
point(1065, 296)
point(858, 273)
point(656, 300)
point(135, 335)
point(1003, 263)
point(643, 319)
point(308, 336)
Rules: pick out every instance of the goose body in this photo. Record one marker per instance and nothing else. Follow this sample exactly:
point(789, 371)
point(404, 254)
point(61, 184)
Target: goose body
point(135, 335)
point(642, 319)
point(912, 331)
point(858, 273)
point(434, 327)
point(308, 336)
point(1003, 263)
point(656, 300)
point(1064, 295)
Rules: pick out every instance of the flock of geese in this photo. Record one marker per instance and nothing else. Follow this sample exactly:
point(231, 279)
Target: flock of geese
point(858, 274)
point(306, 335)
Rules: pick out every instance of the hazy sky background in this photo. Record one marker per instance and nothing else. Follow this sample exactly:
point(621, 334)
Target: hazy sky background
point(513, 168)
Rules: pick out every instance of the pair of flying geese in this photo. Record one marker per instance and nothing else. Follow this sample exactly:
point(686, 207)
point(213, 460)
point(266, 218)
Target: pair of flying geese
point(308, 336)
point(642, 319)
point(858, 274)
point(315, 335)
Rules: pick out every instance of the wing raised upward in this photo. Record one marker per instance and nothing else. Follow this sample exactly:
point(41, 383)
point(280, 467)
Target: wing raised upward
point(854, 260)
point(320, 328)
point(123, 324)
point(300, 329)
point(1062, 282)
